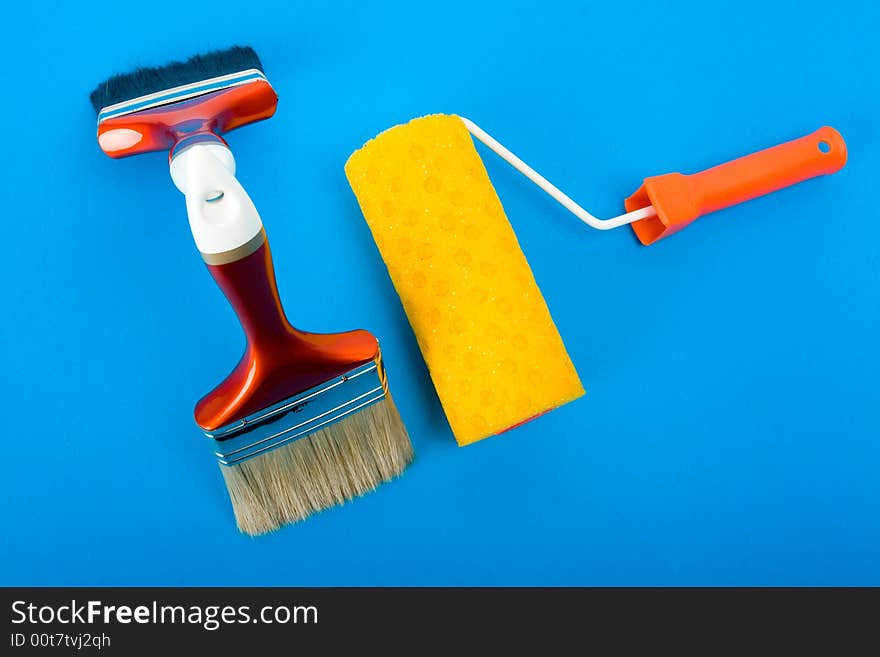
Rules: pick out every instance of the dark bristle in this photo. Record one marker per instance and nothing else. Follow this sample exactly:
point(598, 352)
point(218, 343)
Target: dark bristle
point(145, 81)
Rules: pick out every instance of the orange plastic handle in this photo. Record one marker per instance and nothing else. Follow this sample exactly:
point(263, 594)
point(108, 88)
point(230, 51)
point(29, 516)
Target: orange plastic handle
point(680, 199)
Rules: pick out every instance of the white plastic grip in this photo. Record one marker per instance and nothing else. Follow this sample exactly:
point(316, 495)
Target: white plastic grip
point(222, 216)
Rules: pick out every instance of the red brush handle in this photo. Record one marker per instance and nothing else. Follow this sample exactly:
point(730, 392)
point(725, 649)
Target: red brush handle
point(279, 360)
point(249, 285)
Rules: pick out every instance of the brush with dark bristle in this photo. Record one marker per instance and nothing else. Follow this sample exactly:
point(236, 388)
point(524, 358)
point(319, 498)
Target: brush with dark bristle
point(147, 80)
point(302, 431)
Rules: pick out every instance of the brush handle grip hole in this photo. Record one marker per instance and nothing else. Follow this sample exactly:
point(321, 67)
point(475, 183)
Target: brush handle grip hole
point(214, 196)
point(824, 147)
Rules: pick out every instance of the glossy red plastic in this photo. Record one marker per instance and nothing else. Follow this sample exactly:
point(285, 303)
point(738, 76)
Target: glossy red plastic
point(279, 360)
point(160, 128)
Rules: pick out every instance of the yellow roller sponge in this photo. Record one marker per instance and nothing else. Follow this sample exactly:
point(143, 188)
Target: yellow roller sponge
point(485, 332)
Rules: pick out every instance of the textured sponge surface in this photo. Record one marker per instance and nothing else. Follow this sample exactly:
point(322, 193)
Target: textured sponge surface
point(484, 329)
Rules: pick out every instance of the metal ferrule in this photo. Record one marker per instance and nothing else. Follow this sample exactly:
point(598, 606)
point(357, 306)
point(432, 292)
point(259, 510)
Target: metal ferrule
point(177, 94)
point(300, 415)
point(197, 138)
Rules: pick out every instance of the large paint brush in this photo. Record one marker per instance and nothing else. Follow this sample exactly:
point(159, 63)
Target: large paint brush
point(304, 421)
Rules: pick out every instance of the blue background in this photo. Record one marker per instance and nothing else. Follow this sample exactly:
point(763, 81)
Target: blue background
point(730, 430)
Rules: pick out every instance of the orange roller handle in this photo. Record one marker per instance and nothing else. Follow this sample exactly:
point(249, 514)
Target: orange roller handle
point(680, 199)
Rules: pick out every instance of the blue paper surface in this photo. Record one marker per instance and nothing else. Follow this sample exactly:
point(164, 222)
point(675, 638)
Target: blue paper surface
point(729, 434)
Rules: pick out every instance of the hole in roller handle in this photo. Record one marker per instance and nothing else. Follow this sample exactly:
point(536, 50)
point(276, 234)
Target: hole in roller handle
point(680, 199)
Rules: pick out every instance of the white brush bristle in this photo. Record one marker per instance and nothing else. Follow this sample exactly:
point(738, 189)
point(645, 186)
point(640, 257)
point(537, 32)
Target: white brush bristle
point(331, 466)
